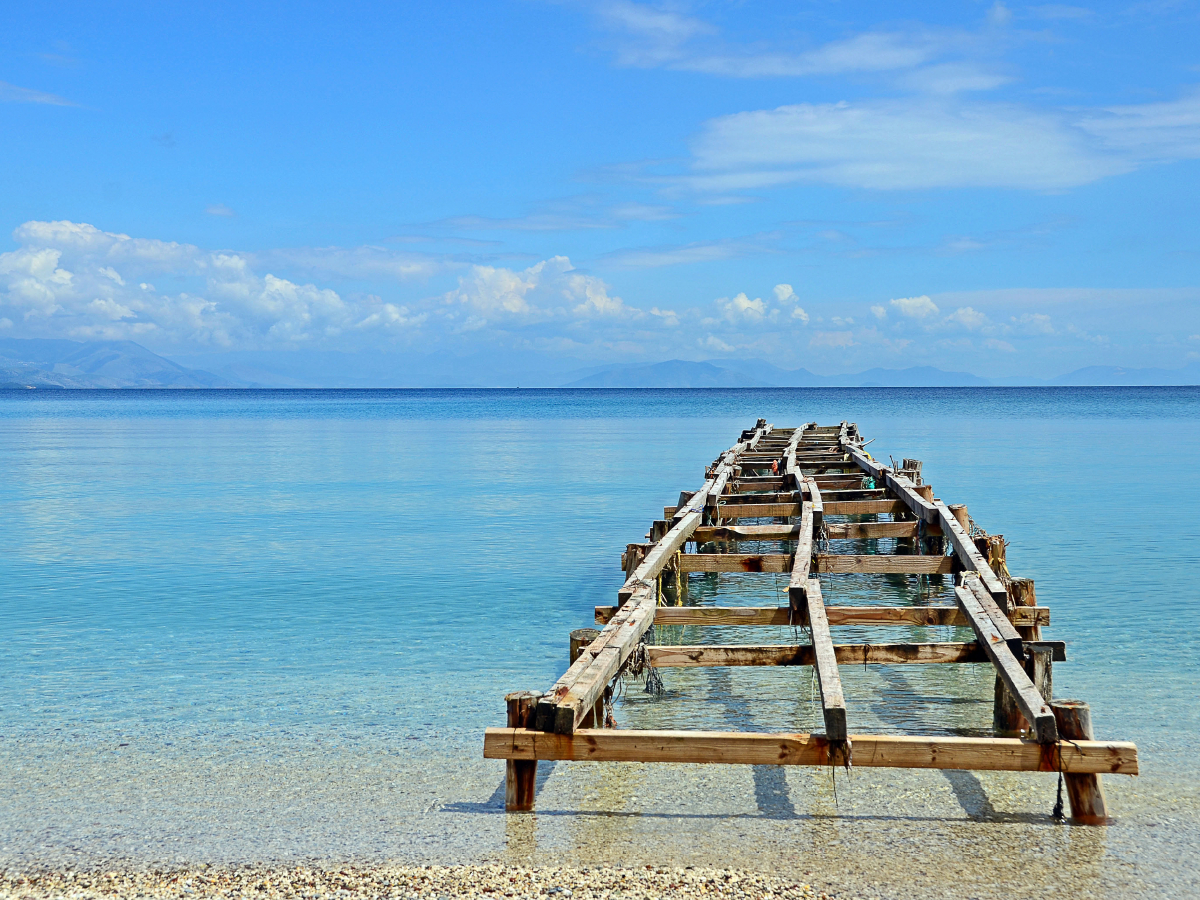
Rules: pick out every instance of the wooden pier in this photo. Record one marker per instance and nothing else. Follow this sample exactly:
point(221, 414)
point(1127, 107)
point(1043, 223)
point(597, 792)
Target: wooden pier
point(803, 487)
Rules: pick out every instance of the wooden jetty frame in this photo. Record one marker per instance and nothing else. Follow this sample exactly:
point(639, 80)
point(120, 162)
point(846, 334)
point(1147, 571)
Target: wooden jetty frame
point(798, 486)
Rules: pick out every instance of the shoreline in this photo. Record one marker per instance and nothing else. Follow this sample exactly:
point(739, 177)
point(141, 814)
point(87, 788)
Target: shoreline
point(492, 881)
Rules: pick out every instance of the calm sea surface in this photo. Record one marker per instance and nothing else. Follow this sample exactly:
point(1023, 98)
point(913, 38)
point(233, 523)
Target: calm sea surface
point(189, 576)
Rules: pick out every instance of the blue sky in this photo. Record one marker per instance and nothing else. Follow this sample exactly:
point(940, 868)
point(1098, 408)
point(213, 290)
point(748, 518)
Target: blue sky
point(1003, 189)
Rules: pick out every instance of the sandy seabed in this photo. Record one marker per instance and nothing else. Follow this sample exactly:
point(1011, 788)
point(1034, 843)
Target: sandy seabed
point(79, 821)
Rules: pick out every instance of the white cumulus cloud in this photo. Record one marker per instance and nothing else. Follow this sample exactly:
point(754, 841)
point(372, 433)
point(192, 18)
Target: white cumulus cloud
point(967, 317)
point(741, 308)
point(69, 279)
point(915, 307)
point(550, 289)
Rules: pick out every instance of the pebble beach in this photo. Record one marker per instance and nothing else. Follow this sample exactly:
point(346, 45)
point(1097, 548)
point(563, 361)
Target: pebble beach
point(408, 883)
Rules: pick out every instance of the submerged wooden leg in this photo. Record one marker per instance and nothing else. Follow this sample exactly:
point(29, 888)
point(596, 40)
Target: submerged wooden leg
point(520, 775)
point(1006, 716)
point(580, 638)
point(1084, 792)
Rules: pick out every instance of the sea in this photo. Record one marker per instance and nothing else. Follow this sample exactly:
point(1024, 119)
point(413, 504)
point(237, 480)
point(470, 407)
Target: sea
point(246, 626)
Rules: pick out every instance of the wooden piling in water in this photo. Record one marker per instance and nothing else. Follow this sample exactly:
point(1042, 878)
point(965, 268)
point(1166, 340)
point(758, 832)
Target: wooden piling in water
point(520, 775)
point(1084, 791)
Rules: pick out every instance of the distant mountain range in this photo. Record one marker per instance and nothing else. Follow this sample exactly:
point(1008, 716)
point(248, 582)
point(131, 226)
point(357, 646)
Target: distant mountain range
point(32, 363)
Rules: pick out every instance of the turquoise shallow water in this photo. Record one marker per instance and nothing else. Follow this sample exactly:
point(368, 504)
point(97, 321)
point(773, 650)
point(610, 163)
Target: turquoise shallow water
point(190, 579)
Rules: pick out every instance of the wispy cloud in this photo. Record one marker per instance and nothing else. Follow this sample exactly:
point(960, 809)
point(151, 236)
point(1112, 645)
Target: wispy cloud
point(904, 143)
point(568, 214)
point(1163, 131)
point(220, 209)
point(10, 93)
point(652, 37)
point(694, 252)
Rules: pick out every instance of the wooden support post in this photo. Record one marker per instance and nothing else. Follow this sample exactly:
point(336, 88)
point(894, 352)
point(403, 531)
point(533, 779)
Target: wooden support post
point(580, 638)
point(1084, 792)
point(1007, 719)
point(1035, 709)
point(520, 775)
point(633, 557)
point(912, 468)
point(959, 511)
point(1021, 593)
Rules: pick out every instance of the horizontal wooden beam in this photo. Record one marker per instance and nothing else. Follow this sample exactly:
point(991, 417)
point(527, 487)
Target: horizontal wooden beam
point(699, 655)
point(883, 564)
point(863, 507)
point(707, 533)
point(853, 493)
point(754, 510)
point(735, 562)
point(765, 497)
point(1021, 616)
point(852, 530)
point(869, 750)
point(833, 531)
point(831, 508)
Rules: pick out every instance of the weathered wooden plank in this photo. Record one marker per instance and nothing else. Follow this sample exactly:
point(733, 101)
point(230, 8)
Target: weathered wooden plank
point(735, 562)
point(833, 704)
point(753, 510)
point(780, 532)
point(850, 530)
point(852, 493)
point(576, 693)
point(864, 462)
point(903, 487)
point(837, 615)
point(754, 497)
point(758, 483)
point(1007, 632)
point(969, 555)
point(833, 531)
point(864, 507)
point(1033, 706)
point(801, 560)
point(656, 560)
point(870, 751)
point(839, 482)
point(575, 699)
point(697, 655)
point(883, 564)
point(817, 501)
